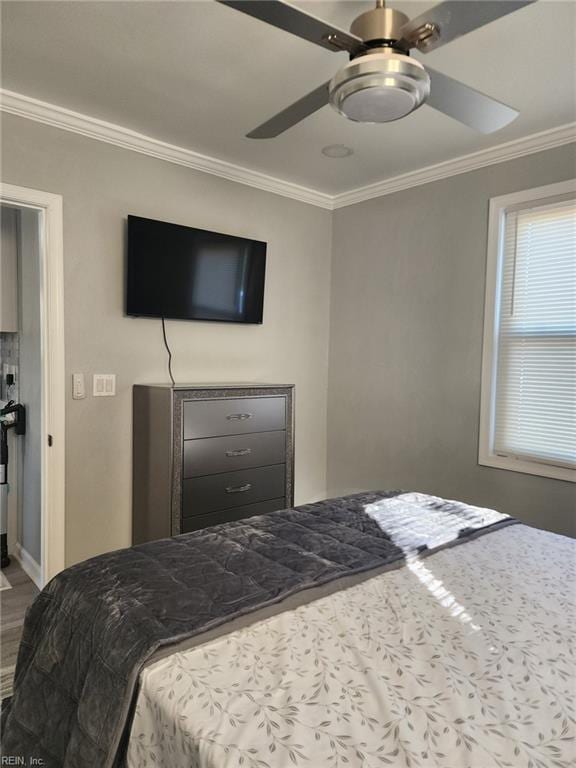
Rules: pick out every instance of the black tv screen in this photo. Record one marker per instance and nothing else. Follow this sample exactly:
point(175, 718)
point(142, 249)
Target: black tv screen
point(192, 274)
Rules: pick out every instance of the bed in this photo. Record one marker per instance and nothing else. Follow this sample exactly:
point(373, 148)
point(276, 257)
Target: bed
point(411, 632)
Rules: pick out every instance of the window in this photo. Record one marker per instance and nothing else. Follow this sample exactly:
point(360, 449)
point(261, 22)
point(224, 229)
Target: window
point(528, 410)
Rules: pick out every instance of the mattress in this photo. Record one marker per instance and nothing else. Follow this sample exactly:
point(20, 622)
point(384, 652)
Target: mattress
point(463, 659)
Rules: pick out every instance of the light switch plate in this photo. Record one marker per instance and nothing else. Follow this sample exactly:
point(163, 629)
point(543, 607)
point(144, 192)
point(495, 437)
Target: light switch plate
point(104, 385)
point(78, 386)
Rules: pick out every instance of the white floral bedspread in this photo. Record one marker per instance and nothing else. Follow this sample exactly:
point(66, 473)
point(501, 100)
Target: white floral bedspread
point(463, 659)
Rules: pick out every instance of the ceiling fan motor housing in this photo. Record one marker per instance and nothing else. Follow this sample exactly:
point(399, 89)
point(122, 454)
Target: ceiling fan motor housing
point(379, 87)
point(380, 25)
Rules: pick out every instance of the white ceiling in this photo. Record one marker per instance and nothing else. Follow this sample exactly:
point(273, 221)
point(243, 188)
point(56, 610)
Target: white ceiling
point(200, 75)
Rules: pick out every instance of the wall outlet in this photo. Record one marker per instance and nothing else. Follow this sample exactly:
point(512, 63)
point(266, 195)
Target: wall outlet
point(104, 385)
point(78, 386)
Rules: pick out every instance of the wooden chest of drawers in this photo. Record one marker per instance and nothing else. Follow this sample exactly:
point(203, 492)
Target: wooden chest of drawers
point(208, 454)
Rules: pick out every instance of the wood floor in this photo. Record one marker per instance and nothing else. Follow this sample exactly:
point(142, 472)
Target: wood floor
point(13, 605)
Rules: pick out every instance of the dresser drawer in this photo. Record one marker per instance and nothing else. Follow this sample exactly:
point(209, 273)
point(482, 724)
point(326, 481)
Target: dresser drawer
point(232, 489)
point(209, 455)
point(229, 515)
point(234, 416)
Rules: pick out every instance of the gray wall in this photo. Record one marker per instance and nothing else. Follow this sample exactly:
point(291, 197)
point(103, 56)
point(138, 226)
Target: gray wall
point(29, 445)
point(100, 185)
point(405, 323)
point(406, 341)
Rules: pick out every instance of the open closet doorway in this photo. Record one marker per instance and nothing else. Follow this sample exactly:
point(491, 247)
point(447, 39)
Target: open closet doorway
point(32, 382)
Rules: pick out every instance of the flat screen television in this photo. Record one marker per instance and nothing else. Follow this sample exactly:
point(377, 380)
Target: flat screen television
point(191, 274)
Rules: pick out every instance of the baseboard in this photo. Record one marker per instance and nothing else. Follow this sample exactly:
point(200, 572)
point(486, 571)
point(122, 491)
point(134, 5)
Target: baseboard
point(28, 565)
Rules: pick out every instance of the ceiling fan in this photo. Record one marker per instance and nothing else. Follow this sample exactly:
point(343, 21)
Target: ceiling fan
point(381, 82)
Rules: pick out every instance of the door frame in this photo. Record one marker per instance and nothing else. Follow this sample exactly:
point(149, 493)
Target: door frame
point(53, 468)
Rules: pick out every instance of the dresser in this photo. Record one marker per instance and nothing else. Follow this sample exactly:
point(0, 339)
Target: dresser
point(209, 454)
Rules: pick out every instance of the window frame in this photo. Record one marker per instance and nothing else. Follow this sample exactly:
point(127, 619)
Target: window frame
point(498, 209)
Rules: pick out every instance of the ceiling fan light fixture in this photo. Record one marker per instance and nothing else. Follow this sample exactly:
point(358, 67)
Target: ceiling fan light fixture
point(379, 87)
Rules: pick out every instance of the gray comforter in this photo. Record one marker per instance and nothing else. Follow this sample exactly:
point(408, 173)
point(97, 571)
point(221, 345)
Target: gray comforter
point(91, 630)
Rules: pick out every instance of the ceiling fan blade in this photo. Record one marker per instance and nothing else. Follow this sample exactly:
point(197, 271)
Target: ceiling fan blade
point(474, 109)
point(450, 20)
point(293, 114)
point(297, 22)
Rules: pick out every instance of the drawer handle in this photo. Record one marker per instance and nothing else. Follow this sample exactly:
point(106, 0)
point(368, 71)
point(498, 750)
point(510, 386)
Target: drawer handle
point(239, 452)
point(239, 416)
point(238, 488)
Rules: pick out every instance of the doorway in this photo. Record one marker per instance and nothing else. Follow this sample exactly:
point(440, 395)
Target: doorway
point(32, 374)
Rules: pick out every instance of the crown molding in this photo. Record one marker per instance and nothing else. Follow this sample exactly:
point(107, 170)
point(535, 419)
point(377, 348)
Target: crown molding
point(528, 145)
point(59, 117)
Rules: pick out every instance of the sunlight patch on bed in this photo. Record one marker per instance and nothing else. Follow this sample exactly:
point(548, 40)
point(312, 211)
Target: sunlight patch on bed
point(439, 591)
point(416, 521)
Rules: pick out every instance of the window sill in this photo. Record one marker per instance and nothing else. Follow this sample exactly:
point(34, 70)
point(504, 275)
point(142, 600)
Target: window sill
point(527, 467)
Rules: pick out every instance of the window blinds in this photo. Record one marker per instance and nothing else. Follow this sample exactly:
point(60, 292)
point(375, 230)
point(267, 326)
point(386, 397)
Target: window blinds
point(535, 393)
